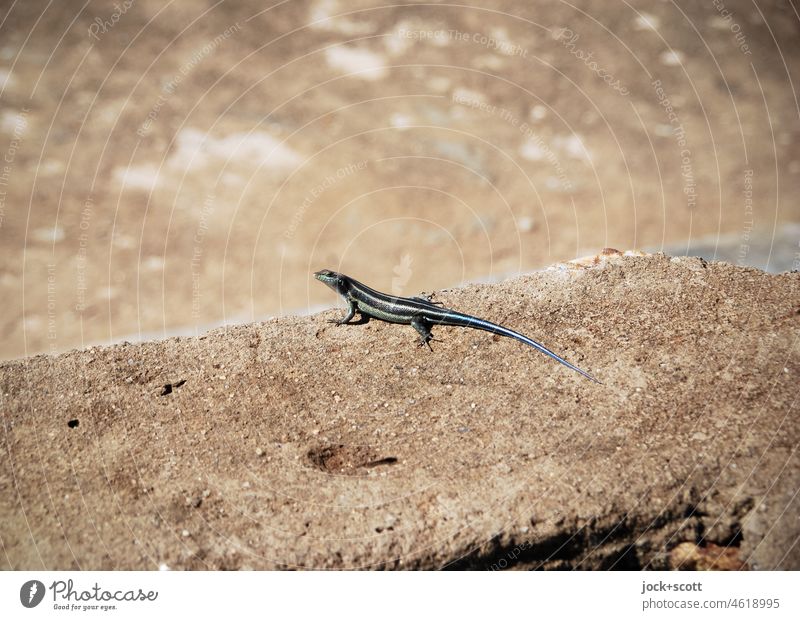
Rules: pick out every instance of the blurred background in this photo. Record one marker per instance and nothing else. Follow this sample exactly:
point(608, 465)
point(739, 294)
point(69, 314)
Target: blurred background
point(169, 167)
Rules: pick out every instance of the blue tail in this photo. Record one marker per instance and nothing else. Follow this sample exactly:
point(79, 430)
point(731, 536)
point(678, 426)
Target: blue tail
point(465, 320)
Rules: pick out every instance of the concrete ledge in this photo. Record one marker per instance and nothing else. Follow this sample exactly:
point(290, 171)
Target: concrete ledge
point(295, 443)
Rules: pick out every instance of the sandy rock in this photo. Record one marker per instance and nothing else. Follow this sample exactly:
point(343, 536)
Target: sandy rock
point(331, 447)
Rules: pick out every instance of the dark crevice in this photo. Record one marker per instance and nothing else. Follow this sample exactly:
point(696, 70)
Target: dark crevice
point(622, 545)
point(389, 460)
point(348, 460)
point(168, 387)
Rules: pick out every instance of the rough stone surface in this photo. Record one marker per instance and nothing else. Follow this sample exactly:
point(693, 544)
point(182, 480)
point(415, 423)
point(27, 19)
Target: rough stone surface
point(295, 443)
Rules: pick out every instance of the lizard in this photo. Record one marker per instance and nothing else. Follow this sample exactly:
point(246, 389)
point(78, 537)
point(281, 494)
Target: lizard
point(419, 312)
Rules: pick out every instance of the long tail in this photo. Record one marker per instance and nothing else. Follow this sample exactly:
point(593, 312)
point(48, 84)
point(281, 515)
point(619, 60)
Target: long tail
point(465, 320)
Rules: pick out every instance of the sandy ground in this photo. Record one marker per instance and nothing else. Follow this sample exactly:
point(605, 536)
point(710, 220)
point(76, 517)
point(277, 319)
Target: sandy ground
point(177, 167)
point(295, 443)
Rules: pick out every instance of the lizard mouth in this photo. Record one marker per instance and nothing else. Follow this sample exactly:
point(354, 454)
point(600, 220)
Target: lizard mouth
point(325, 275)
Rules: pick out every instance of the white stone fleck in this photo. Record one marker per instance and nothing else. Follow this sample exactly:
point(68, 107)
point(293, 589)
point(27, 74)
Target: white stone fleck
point(664, 130)
point(397, 43)
point(672, 58)
point(322, 16)
point(525, 224)
point(195, 148)
point(504, 45)
point(11, 122)
point(719, 23)
point(573, 146)
point(538, 112)
point(6, 79)
point(357, 62)
point(468, 97)
point(490, 61)
point(48, 234)
point(400, 121)
point(532, 151)
point(51, 166)
point(439, 84)
point(32, 323)
point(646, 21)
point(143, 177)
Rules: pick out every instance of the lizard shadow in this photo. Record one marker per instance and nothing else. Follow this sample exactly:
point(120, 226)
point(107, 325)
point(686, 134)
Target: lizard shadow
point(363, 319)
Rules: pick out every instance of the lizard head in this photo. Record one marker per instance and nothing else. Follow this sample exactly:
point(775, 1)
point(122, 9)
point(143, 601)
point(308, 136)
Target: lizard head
point(335, 280)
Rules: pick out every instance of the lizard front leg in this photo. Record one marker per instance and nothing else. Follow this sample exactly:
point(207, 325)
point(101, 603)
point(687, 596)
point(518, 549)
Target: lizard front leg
point(351, 312)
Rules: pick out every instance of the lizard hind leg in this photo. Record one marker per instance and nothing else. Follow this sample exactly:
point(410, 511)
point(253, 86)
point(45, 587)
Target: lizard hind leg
point(424, 328)
point(427, 298)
